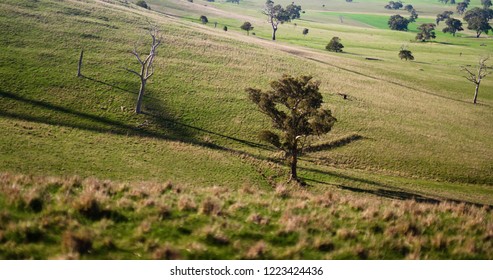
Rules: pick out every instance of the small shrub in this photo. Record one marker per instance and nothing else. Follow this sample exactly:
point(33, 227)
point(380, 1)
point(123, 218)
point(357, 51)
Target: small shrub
point(204, 19)
point(335, 45)
point(143, 4)
point(225, 28)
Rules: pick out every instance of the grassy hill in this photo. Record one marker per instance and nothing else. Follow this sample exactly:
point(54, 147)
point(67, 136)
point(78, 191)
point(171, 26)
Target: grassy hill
point(409, 128)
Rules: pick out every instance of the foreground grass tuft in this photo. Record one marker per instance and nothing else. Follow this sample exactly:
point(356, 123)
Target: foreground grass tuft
point(94, 219)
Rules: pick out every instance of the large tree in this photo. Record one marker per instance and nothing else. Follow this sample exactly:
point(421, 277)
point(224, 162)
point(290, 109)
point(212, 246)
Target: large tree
point(462, 7)
point(247, 26)
point(394, 5)
point(478, 20)
point(443, 16)
point(453, 26)
point(413, 16)
point(276, 14)
point(294, 104)
point(426, 32)
point(146, 68)
point(486, 3)
point(476, 76)
point(397, 22)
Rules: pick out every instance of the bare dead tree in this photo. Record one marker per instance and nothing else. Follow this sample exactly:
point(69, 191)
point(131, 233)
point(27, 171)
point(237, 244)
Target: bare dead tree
point(146, 67)
point(475, 78)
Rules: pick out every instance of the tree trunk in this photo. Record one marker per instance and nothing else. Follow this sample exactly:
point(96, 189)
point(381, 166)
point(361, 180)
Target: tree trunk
point(294, 166)
point(476, 93)
point(79, 69)
point(274, 34)
point(138, 108)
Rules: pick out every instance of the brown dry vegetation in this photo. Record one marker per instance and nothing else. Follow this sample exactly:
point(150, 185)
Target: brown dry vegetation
point(88, 218)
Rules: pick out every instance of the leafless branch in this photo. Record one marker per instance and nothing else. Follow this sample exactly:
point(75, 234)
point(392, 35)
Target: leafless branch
point(132, 71)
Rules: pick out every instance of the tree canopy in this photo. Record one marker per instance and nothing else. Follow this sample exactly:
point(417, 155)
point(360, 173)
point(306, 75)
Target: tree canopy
point(462, 7)
point(453, 26)
point(143, 4)
point(414, 15)
point(478, 20)
point(443, 16)
point(276, 14)
point(426, 32)
point(394, 5)
point(294, 105)
point(247, 26)
point(405, 54)
point(335, 45)
point(486, 4)
point(204, 19)
point(397, 22)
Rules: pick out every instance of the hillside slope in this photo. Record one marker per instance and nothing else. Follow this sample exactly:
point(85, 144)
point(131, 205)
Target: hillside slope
point(199, 128)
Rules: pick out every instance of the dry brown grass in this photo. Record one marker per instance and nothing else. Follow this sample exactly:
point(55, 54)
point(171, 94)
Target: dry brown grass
point(166, 252)
point(257, 251)
point(163, 224)
point(186, 203)
point(258, 219)
point(282, 191)
point(77, 242)
point(210, 206)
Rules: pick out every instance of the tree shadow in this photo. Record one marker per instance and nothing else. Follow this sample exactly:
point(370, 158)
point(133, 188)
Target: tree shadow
point(81, 120)
point(334, 144)
point(158, 122)
point(387, 191)
point(108, 84)
point(165, 122)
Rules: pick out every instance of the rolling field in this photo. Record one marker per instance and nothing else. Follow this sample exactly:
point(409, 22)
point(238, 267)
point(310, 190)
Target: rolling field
point(409, 137)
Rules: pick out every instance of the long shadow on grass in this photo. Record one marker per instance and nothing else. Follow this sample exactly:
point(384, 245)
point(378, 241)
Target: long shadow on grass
point(167, 127)
point(387, 191)
point(334, 144)
point(82, 120)
point(156, 111)
point(108, 84)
